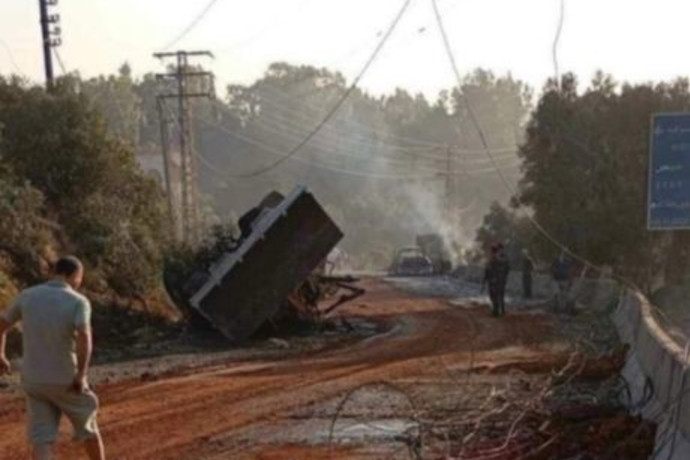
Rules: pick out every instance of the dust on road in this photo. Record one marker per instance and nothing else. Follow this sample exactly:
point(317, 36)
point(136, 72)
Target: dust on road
point(239, 408)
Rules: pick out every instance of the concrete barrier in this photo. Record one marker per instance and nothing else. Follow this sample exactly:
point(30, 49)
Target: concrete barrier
point(657, 375)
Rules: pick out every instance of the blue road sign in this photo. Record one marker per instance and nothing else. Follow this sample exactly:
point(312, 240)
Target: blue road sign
point(668, 205)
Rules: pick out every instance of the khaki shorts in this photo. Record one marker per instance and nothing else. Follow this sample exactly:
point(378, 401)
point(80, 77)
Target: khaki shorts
point(45, 404)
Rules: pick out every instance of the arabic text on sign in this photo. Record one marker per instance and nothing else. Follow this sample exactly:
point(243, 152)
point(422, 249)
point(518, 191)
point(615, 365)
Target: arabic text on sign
point(669, 185)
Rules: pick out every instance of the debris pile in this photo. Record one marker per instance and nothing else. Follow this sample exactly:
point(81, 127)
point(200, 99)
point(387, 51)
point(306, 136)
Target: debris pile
point(575, 413)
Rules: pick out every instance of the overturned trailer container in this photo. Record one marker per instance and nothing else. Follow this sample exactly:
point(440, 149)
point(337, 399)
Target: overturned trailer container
point(246, 287)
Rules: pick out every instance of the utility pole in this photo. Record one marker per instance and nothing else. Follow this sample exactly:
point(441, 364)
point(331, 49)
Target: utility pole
point(165, 146)
point(50, 33)
point(188, 84)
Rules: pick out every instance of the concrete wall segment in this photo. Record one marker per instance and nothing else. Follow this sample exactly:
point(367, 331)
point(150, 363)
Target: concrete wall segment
point(656, 361)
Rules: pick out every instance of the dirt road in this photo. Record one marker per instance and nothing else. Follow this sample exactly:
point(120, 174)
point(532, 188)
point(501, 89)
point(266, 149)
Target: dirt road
point(238, 409)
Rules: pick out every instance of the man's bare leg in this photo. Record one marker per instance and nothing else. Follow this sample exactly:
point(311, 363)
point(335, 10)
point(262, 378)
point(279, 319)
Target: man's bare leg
point(42, 452)
point(94, 448)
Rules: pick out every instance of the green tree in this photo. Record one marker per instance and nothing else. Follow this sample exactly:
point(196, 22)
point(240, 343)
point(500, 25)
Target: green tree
point(585, 165)
point(117, 98)
point(502, 225)
point(85, 180)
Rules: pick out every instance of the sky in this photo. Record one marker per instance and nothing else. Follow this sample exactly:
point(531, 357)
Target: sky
point(634, 40)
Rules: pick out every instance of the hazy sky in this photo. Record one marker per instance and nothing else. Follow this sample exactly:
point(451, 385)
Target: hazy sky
point(635, 40)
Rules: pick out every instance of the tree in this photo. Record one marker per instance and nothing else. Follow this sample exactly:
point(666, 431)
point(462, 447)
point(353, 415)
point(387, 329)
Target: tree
point(118, 100)
point(83, 179)
point(501, 225)
point(585, 165)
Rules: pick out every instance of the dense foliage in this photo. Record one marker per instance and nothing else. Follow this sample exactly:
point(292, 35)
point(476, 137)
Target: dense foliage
point(585, 174)
point(503, 225)
point(68, 184)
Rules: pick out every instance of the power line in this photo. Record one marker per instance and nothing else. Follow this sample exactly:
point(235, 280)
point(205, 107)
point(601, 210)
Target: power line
point(427, 145)
point(197, 19)
point(382, 151)
point(287, 116)
point(274, 151)
point(423, 146)
point(338, 104)
point(413, 141)
point(419, 151)
point(556, 43)
point(419, 31)
point(61, 63)
point(451, 58)
point(10, 56)
point(281, 126)
point(218, 171)
point(482, 136)
point(349, 154)
point(269, 28)
point(269, 149)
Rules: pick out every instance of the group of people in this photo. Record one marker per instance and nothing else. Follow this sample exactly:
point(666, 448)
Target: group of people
point(497, 270)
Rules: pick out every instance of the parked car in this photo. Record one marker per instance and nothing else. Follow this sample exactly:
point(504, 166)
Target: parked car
point(411, 262)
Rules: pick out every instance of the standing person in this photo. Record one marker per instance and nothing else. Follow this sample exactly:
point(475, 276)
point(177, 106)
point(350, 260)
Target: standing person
point(496, 276)
point(560, 270)
point(56, 337)
point(527, 270)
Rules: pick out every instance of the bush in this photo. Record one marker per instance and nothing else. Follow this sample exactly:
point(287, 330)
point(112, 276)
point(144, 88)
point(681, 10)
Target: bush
point(73, 187)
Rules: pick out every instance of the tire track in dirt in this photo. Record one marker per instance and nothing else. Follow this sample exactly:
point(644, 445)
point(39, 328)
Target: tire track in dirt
point(195, 416)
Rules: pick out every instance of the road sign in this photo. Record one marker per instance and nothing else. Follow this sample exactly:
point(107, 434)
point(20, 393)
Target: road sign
point(668, 202)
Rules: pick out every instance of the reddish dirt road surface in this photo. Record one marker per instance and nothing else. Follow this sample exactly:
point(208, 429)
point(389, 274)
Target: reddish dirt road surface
point(234, 410)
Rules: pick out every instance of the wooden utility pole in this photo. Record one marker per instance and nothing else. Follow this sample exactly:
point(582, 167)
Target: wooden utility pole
point(50, 34)
point(187, 84)
point(165, 147)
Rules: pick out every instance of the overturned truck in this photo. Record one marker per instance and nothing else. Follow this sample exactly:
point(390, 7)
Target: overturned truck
point(284, 241)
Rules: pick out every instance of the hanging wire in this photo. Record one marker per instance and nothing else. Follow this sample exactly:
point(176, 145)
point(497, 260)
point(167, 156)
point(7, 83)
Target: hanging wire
point(482, 136)
point(10, 56)
point(430, 174)
point(556, 43)
point(63, 68)
point(195, 21)
point(338, 104)
point(283, 128)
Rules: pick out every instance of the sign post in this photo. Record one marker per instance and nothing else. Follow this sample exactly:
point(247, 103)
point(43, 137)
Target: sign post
point(668, 201)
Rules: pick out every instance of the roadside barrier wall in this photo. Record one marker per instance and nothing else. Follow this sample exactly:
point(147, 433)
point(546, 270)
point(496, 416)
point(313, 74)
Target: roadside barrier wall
point(657, 376)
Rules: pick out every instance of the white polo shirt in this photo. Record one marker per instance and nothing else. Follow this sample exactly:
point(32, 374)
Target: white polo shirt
point(50, 314)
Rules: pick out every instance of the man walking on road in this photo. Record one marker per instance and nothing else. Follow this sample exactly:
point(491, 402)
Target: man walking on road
point(560, 270)
point(527, 270)
point(56, 337)
point(496, 276)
